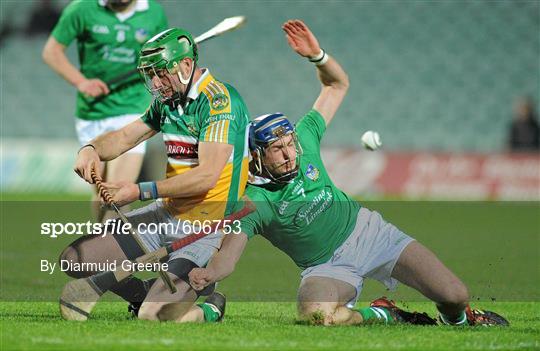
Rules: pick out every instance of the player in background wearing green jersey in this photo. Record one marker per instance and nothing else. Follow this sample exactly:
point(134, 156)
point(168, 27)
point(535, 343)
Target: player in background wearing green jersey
point(109, 35)
point(203, 122)
point(336, 242)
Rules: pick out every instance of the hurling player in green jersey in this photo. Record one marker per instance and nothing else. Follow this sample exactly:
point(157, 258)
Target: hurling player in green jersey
point(331, 237)
point(109, 36)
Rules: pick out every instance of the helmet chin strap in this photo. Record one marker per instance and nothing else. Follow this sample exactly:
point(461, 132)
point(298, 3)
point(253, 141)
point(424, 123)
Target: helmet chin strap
point(275, 178)
point(189, 79)
point(282, 178)
point(182, 97)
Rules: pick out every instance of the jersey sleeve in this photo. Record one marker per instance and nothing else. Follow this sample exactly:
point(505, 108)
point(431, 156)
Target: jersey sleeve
point(222, 119)
point(261, 218)
point(250, 224)
point(310, 130)
point(152, 116)
point(70, 25)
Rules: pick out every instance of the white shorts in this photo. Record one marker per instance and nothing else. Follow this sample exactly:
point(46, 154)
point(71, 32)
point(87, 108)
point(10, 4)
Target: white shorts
point(88, 130)
point(371, 251)
point(198, 252)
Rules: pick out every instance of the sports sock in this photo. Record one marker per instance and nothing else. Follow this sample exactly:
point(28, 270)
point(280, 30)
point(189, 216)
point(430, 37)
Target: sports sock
point(371, 314)
point(211, 313)
point(460, 320)
point(131, 289)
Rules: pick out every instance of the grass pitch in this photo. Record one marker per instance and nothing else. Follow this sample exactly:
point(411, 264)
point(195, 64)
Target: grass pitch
point(253, 326)
point(492, 246)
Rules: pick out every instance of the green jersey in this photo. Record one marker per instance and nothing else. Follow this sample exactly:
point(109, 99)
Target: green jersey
point(108, 45)
point(216, 114)
point(308, 218)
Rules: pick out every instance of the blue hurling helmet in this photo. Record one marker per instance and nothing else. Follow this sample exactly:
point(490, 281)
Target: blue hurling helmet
point(265, 130)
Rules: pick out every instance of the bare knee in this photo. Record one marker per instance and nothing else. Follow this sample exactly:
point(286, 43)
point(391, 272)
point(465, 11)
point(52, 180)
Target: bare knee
point(70, 254)
point(317, 313)
point(149, 311)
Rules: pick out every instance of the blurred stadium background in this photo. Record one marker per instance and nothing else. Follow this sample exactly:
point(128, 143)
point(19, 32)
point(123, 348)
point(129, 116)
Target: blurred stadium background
point(437, 79)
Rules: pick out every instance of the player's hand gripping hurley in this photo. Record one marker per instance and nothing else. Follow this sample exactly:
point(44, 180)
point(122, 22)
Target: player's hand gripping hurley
point(80, 296)
point(106, 196)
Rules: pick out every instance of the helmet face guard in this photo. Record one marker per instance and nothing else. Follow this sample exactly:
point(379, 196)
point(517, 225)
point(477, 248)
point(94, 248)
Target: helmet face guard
point(159, 83)
point(160, 58)
point(265, 131)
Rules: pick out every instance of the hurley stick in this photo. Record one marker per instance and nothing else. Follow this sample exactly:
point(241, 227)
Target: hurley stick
point(104, 193)
point(81, 295)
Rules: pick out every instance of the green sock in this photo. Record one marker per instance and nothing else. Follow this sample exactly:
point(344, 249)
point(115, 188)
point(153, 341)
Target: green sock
point(211, 314)
point(460, 320)
point(372, 314)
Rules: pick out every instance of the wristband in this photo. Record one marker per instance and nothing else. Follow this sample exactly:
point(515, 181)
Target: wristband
point(147, 191)
point(82, 147)
point(320, 59)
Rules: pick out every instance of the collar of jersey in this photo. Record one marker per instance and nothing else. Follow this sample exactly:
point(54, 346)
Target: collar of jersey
point(200, 84)
point(257, 180)
point(141, 5)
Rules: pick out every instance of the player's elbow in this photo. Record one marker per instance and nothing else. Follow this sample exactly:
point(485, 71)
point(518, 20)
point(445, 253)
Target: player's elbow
point(339, 87)
point(51, 57)
point(209, 180)
point(46, 54)
point(52, 51)
point(212, 181)
point(206, 184)
point(344, 83)
point(49, 52)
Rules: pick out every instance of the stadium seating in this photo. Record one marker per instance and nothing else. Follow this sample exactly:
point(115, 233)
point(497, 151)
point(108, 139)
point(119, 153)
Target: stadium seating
point(438, 75)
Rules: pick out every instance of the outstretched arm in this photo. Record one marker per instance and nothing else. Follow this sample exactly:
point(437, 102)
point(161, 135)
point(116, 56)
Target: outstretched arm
point(222, 264)
point(335, 81)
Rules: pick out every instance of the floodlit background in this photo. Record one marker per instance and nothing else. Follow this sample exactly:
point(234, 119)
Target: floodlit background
point(439, 80)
